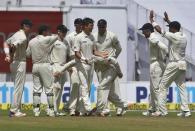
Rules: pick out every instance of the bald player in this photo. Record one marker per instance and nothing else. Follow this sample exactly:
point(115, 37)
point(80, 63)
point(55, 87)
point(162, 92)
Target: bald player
point(74, 79)
point(59, 56)
point(39, 49)
point(15, 50)
point(108, 46)
point(84, 48)
point(176, 68)
point(158, 51)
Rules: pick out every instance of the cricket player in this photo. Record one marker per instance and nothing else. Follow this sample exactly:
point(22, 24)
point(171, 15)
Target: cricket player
point(59, 56)
point(73, 103)
point(15, 50)
point(39, 49)
point(175, 69)
point(158, 51)
point(84, 48)
point(108, 46)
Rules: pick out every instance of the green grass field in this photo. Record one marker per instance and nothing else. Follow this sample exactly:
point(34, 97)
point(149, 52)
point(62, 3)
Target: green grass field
point(132, 121)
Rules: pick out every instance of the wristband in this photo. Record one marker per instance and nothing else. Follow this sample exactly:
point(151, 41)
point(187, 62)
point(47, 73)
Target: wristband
point(154, 24)
point(6, 50)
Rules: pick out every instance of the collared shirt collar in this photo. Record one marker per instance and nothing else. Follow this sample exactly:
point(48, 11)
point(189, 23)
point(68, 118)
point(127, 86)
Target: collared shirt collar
point(179, 33)
point(151, 35)
point(86, 34)
point(21, 30)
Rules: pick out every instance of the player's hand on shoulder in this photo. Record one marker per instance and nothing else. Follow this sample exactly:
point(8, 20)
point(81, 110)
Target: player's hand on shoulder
point(57, 74)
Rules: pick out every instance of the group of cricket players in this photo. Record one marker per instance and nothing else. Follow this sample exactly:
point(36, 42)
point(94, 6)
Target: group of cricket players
point(167, 65)
point(80, 53)
point(83, 52)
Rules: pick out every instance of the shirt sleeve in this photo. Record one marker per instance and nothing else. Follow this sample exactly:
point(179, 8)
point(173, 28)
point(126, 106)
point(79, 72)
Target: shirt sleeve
point(163, 47)
point(68, 39)
point(69, 53)
point(70, 44)
point(153, 41)
point(18, 42)
point(77, 44)
point(9, 40)
point(15, 41)
point(52, 39)
point(170, 36)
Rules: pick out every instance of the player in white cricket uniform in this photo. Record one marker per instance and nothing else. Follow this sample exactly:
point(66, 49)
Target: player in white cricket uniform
point(59, 56)
point(175, 69)
point(39, 49)
point(158, 51)
point(74, 79)
point(15, 50)
point(84, 48)
point(108, 47)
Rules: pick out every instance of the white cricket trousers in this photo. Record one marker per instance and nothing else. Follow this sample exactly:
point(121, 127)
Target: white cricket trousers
point(58, 86)
point(18, 71)
point(106, 90)
point(74, 91)
point(85, 74)
point(173, 74)
point(156, 72)
point(42, 78)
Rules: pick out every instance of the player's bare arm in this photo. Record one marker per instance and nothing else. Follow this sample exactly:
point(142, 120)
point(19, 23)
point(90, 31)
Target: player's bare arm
point(156, 26)
point(166, 17)
point(103, 54)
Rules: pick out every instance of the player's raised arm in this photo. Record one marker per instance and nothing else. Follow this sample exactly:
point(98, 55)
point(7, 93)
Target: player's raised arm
point(166, 18)
point(155, 25)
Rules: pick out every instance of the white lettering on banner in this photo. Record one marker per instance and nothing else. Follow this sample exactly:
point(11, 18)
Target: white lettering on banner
point(133, 92)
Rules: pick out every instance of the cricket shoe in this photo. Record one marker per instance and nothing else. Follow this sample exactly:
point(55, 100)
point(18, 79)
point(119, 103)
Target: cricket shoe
point(77, 113)
point(36, 112)
point(83, 114)
point(158, 114)
point(16, 114)
point(184, 114)
point(147, 113)
point(103, 114)
point(72, 113)
point(51, 113)
point(60, 114)
point(121, 111)
point(92, 112)
point(87, 113)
